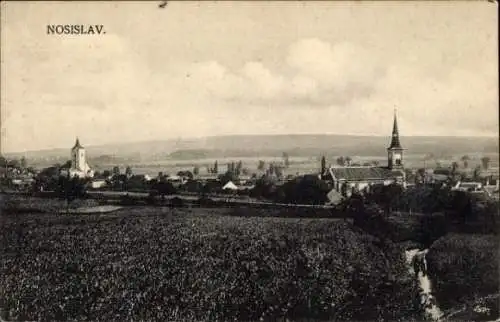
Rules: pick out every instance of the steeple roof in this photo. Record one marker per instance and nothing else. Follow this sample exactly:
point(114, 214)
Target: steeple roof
point(77, 144)
point(395, 144)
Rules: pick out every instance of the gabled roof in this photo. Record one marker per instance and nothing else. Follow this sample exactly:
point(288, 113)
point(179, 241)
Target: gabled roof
point(364, 173)
point(230, 185)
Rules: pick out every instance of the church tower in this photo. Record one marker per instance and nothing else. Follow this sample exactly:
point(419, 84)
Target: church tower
point(78, 161)
point(395, 151)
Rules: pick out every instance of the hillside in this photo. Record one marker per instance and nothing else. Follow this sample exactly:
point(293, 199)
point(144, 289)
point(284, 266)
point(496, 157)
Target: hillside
point(275, 145)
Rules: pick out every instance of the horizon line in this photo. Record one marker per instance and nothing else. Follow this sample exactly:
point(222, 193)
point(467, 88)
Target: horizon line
point(249, 135)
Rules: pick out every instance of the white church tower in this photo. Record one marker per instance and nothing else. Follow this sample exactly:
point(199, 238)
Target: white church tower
point(79, 165)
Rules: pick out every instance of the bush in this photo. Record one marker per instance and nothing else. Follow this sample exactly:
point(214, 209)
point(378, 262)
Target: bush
point(464, 266)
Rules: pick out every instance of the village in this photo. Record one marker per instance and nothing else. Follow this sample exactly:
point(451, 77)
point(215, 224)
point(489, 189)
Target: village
point(341, 180)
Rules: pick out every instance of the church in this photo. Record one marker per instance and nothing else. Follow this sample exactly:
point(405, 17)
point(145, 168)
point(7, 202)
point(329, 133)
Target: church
point(346, 178)
point(79, 166)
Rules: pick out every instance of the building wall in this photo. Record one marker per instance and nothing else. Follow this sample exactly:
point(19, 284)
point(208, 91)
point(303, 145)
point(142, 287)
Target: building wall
point(360, 184)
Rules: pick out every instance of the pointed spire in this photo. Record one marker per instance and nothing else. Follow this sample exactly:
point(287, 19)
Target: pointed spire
point(395, 144)
point(395, 125)
point(77, 144)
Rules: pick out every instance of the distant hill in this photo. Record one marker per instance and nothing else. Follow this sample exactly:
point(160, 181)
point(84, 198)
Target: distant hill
point(271, 145)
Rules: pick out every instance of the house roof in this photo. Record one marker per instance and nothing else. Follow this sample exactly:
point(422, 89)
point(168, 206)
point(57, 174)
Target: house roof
point(469, 184)
point(364, 173)
point(445, 172)
point(230, 185)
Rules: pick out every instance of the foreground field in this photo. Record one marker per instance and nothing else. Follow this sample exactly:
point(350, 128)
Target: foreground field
point(174, 264)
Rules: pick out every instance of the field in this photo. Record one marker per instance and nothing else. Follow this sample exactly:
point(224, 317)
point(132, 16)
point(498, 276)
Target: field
point(301, 165)
point(198, 264)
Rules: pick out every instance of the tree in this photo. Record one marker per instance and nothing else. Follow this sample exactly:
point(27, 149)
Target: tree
point(128, 171)
point(323, 166)
point(71, 188)
point(465, 159)
point(13, 164)
point(226, 177)
point(196, 170)
point(3, 161)
point(216, 167)
point(308, 189)
point(239, 167)
point(278, 171)
point(186, 174)
point(272, 168)
point(477, 173)
point(116, 170)
point(454, 167)
point(286, 160)
point(485, 161)
point(23, 163)
point(348, 160)
point(261, 165)
point(163, 187)
point(66, 165)
point(265, 187)
point(340, 161)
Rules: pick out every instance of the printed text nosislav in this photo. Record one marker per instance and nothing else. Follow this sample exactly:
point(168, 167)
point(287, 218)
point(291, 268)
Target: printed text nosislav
point(75, 30)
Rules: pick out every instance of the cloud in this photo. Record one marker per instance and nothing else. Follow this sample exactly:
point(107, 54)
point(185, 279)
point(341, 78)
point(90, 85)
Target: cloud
point(354, 86)
point(319, 75)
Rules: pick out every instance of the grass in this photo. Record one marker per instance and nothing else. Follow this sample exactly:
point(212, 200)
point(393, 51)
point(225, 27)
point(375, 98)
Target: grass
point(198, 264)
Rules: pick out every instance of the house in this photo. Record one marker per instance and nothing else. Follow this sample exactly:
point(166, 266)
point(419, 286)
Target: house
point(346, 178)
point(440, 175)
point(98, 183)
point(176, 181)
point(207, 177)
point(468, 186)
point(243, 179)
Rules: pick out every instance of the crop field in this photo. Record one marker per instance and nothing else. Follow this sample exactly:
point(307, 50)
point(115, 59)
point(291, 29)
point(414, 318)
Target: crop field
point(199, 264)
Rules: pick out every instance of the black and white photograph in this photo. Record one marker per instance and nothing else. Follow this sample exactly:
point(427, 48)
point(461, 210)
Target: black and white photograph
point(250, 161)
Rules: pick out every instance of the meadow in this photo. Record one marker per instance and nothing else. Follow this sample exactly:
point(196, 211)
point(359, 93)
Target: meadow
point(166, 264)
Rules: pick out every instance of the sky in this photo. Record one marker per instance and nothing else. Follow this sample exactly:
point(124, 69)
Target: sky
point(197, 69)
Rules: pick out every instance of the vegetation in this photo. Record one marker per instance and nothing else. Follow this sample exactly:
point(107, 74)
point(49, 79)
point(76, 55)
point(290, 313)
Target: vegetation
point(167, 264)
point(464, 267)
